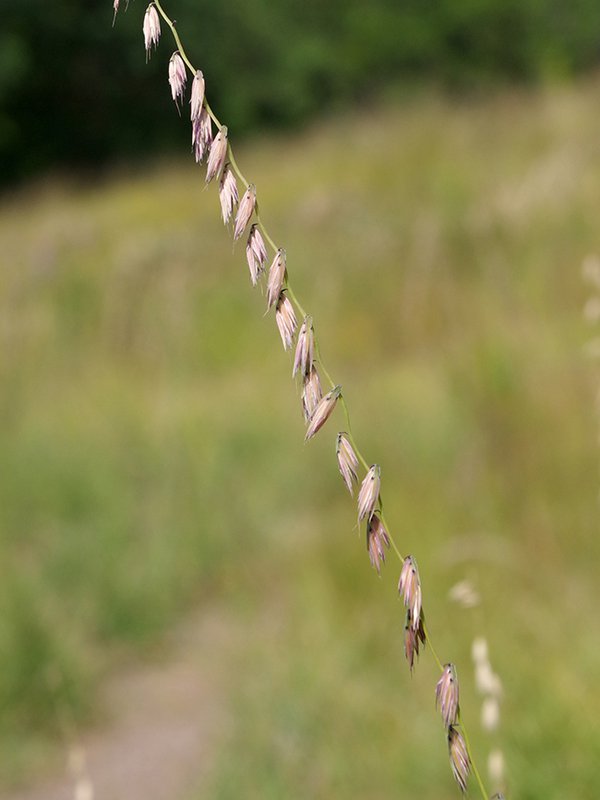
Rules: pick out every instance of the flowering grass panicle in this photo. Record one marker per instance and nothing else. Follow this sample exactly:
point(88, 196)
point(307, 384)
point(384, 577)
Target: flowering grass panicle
point(368, 495)
point(322, 412)
point(197, 98)
point(311, 393)
point(459, 757)
point(377, 541)
point(446, 695)
point(217, 155)
point(276, 277)
point(256, 253)
point(285, 318)
point(177, 77)
point(414, 636)
point(150, 28)
point(347, 461)
point(228, 193)
point(304, 356)
point(201, 135)
point(245, 211)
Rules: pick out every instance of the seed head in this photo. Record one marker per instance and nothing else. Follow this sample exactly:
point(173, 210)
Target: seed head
point(150, 27)
point(369, 492)
point(228, 193)
point(311, 393)
point(177, 77)
point(409, 586)
point(245, 211)
point(346, 457)
point(197, 98)
point(377, 537)
point(459, 757)
point(201, 135)
point(216, 157)
point(303, 358)
point(286, 320)
point(256, 253)
point(412, 636)
point(322, 412)
point(276, 276)
point(446, 695)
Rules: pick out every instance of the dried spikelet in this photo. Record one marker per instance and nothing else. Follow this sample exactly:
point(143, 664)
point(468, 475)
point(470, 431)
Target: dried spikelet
point(369, 492)
point(201, 135)
point(311, 393)
point(197, 98)
point(322, 412)
point(228, 193)
point(256, 253)
point(150, 28)
point(446, 695)
point(177, 76)
point(276, 277)
point(413, 635)
point(459, 757)
point(409, 586)
point(304, 356)
point(346, 458)
point(377, 537)
point(217, 155)
point(245, 211)
point(286, 320)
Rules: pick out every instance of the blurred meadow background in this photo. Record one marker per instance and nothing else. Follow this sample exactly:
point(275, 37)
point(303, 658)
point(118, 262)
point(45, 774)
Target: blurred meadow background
point(434, 175)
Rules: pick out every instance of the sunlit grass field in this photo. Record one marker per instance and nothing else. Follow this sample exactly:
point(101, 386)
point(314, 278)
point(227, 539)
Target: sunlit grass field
point(152, 453)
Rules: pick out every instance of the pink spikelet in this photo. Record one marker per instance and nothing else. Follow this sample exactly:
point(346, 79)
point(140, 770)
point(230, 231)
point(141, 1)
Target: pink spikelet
point(311, 393)
point(446, 695)
point(228, 193)
point(347, 460)
point(377, 541)
point(177, 77)
point(150, 28)
point(245, 211)
point(256, 253)
point(217, 155)
point(414, 635)
point(305, 346)
point(201, 135)
point(286, 320)
point(197, 98)
point(459, 757)
point(409, 587)
point(322, 412)
point(276, 277)
point(369, 492)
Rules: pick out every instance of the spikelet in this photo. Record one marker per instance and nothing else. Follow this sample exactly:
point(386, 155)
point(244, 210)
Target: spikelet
point(459, 757)
point(256, 253)
point(228, 193)
point(305, 346)
point(197, 98)
point(322, 412)
point(409, 586)
point(217, 155)
point(286, 320)
point(413, 635)
point(446, 695)
point(150, 28)
point(276, 277)
point(311, 393)
point(377, 537)
point(346, 457)
point(201, 135)
point(245, 211)
point(369, 492)
point(177, 77)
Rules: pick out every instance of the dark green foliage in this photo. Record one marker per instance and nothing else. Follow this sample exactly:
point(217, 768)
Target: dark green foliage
point(75, 91)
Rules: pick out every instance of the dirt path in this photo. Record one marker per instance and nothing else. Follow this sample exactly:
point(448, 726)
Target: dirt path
point(167, 720)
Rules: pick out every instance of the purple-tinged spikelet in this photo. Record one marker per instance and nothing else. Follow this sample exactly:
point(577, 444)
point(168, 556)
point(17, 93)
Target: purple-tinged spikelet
point(459, 757)
point(228, 193)
point(369, 492)
point(197, 98)
point(347, 460)
point(276, 277)
point(150, 27)
point(409, 586)
point(177, 77)
point(201, 135)
point(311, 393)
point(322, 412)
point(245, 211)
point(216, 157)
point(413, 635)
point(446, 695)
point(256, 253)
point(286, 320)
point(377, 537)
point(304, 356)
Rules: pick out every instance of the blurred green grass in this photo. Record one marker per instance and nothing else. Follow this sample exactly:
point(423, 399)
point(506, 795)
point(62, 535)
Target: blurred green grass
point(152, 451)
